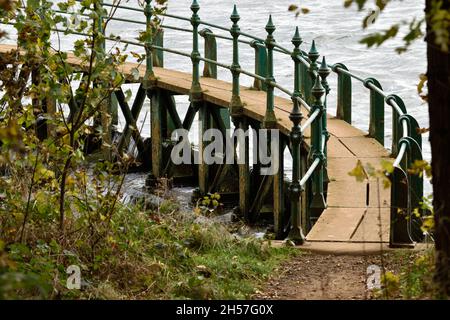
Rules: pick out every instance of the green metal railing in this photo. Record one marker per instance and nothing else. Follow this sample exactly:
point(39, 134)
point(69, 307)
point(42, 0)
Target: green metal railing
point(310, 91)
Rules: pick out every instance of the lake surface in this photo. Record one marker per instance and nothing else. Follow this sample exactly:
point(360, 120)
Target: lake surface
point(337, 32)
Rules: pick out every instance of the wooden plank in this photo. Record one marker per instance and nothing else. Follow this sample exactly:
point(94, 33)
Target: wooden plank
point(365, 147)
point(336, 224)
point(374, 227)
point(342, 129)
point(351, 225)
point(352, 194)
point(339, 168)
point(336, 149)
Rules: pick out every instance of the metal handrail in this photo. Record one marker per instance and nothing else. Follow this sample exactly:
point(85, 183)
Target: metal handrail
point(349, 74)
point(119, 6)
point(310, 120)
point(390, 102)
point(310, 172)
point(184, 54)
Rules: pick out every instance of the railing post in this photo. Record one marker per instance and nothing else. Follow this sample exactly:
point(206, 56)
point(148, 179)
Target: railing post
point(168, 125)
point(153, 95)
point(399, 236)
point(149, 76)
point(376, 125)
point(196, 98)
point(397, 128)
point(415, 189)
point(158, 40)
point(210, 69)
point(324, 72)
point(406, 195)
point(260, 64)
point(318, 203)
point(236, 103)
point(236, 109)
point(196, 89)
point(414, 129)
point(296, 136)
point(344, 95)
point(269, 118)
point(310, 75)
point(306, 83)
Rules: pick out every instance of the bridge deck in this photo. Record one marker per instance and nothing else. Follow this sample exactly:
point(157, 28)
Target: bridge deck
point(346, 219)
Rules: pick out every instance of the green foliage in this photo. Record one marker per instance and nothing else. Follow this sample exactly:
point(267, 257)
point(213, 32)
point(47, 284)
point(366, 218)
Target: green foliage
point(141, 254)
point(412, 280)
point(439, 20)
point(298, 10)
point(209, 204)
point(368, 171)
point(58, 208)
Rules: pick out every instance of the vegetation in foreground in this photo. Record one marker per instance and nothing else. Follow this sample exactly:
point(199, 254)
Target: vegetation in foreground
point(143, 254)
point(409, 275)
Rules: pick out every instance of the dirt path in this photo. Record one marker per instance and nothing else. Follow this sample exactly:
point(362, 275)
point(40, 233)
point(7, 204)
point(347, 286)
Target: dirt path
point(321, 277)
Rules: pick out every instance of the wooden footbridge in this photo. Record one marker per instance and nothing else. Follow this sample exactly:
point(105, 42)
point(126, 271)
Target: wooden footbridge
point(320, 201)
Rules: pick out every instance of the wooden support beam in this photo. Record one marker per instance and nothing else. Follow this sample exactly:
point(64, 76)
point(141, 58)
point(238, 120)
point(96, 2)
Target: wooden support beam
point(186, 124)
point(203, 170)
point(173, 119)
point(244, 175)
point(135, 111)
point(131, 121)
point(279, 192)
point(156, 131)
point(189, 118)
point(263, 191)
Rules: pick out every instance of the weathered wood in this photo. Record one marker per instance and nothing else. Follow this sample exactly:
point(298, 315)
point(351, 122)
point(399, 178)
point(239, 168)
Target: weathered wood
point(135, 111)
point(279, 211)
point(131, 121)
point(244, 175)
point(203, 170)
point(263, 191)
point(156, 132)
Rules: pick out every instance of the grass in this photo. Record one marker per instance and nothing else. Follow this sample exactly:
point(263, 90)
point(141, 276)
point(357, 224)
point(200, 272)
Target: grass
point(144, 254)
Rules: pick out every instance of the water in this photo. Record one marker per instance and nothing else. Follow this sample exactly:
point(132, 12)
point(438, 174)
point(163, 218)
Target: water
point(337, 32)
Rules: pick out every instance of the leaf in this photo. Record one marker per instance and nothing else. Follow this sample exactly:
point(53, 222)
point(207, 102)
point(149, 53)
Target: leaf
point(305, 10)
point(387, 166)
point(427, 224)
point(423, 80)
point(358, 172)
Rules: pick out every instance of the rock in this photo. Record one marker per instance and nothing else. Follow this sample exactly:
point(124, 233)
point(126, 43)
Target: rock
point(224, 218)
